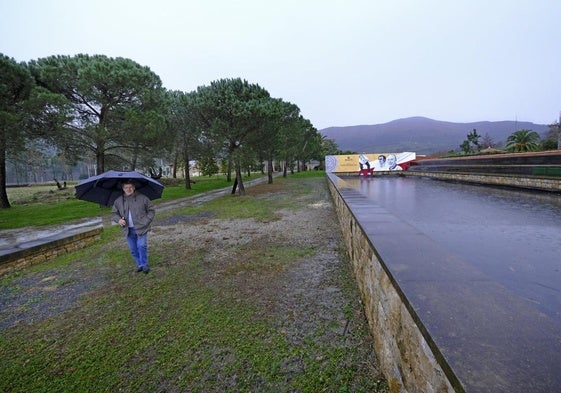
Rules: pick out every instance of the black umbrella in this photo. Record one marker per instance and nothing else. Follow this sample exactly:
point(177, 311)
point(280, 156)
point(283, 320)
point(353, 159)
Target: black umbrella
point(108, 186)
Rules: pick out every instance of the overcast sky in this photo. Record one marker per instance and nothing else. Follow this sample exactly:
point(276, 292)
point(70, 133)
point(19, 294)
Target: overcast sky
point(347, 62)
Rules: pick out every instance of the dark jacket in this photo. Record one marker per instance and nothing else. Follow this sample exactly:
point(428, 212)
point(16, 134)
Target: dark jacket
point(141, 209)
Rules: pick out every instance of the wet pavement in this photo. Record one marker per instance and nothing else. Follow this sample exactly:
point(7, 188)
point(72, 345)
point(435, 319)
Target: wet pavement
point(480, 267)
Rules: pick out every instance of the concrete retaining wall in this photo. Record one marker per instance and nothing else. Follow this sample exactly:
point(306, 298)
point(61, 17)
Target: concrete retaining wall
point(43, 250)
point(534, 164)
point(529, 182)
point(407, 359)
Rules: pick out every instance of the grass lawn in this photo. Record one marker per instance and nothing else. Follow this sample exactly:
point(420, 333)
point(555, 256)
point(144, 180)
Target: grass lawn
point(47, 205)
point(86, 322)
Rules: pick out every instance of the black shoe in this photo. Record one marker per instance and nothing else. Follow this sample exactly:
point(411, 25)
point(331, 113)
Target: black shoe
point(145, 269)
point(139, 269)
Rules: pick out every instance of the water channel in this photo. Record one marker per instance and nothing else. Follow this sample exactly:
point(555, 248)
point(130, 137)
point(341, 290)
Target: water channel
point(480, 265)
point(513, 236)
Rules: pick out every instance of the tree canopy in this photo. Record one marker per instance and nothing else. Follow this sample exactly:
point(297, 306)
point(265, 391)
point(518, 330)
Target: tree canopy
point(231, 112)
point(186, 127)
point(471, 144)
point(112, 105)
point(522, 141)
point(16, 85)
point(115, 112)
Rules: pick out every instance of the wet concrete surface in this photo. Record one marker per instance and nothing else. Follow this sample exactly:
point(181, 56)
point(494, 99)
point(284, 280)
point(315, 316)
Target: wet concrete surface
point(480, 269)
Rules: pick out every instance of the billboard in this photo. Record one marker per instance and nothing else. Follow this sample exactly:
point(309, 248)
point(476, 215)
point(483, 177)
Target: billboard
point(367, 163)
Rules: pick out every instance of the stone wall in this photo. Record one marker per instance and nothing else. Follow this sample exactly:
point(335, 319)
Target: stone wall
point(529, 182)
point(407, 360)
point(47, 249)
point(546, 164)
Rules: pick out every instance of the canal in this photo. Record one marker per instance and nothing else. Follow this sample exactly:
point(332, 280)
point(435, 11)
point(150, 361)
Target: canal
point(513, 236)
point(480, 266)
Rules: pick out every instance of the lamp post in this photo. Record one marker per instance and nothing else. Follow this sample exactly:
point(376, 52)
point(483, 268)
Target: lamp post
point(559, 133)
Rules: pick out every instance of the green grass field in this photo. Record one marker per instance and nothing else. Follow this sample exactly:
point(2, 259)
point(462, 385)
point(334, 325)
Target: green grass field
point(86, 322)
point(47, 205)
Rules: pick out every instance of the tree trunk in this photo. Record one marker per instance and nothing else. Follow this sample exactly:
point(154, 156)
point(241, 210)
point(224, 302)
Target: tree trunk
point(187, 175)
point(174, 175)
point(229, 174)
point(133, 162)
point(4, 202)
point(239, 179)
point(100, 159)
point(270, 171)
point(134, 159)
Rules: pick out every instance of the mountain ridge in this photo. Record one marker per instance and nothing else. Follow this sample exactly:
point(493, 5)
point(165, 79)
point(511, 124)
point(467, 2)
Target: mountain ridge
point(421, 134)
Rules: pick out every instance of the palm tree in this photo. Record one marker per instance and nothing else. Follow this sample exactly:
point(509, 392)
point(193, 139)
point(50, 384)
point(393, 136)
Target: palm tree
point(523, 140)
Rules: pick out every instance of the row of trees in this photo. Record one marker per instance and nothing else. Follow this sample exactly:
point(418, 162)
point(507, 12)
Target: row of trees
point(116, 112)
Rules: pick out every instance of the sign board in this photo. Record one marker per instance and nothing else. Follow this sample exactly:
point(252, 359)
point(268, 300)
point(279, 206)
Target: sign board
point(369, 162)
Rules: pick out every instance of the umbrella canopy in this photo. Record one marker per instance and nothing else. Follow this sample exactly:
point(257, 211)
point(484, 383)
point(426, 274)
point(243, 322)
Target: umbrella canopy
point(108, 186)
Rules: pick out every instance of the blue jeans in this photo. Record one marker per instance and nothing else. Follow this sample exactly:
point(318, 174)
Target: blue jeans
point(139, 247)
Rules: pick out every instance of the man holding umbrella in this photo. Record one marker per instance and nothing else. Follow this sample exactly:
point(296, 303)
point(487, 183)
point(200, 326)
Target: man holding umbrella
point(134, 212)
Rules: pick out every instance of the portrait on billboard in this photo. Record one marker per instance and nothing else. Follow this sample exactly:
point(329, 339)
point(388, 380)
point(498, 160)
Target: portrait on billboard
point(365, 163)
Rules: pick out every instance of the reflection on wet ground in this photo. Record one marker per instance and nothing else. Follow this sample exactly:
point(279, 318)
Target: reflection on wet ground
point(513, 236)
point(480, 265)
